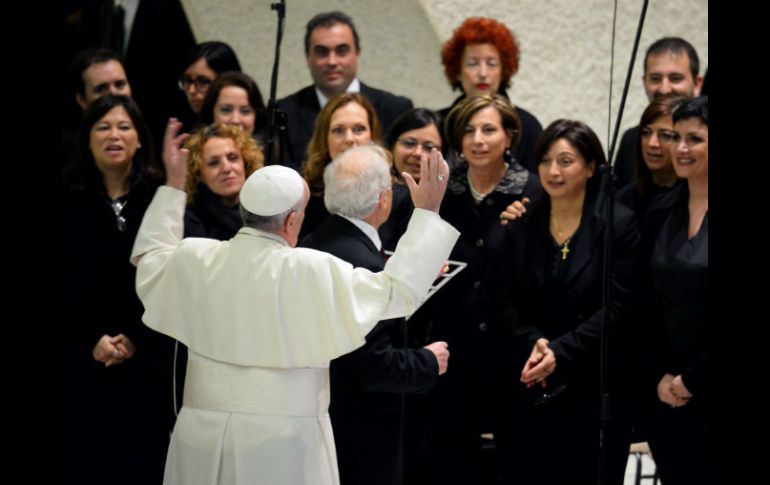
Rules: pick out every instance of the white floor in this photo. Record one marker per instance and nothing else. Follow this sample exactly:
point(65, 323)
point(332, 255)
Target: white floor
point(648, 467)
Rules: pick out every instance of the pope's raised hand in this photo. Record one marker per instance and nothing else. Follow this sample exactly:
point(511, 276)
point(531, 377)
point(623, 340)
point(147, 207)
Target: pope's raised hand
point(174, 156)
point(434, 175)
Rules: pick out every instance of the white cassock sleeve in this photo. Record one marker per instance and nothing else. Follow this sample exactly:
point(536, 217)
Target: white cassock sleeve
point(255, 301)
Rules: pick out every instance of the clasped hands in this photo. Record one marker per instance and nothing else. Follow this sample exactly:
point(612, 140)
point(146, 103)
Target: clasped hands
point(672, 391)
point(113, 350)
point(540, 364)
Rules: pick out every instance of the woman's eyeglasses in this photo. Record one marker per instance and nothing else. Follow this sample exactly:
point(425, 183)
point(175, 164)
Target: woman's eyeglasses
point(201, 83)
point(412, 143)
point(664, 136)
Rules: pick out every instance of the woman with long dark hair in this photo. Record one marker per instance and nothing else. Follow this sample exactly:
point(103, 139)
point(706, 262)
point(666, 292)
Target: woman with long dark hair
point(117, 395)
point(347, 120)
point(414, 132)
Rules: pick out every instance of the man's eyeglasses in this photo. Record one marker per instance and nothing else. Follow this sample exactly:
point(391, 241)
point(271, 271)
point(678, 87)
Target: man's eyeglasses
point(201, 83)
point(412, 143)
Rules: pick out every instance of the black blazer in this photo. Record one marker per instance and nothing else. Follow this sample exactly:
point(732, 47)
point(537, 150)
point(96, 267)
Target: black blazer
point(302, 108)
point(672, 301)
point(568, 312)
point(572, 326)
point(366, 402)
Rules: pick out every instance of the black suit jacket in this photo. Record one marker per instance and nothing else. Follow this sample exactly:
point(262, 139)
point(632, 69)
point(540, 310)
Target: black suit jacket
point(302, 108)
point(366, 402)
point(573, 325)
point(569, 313)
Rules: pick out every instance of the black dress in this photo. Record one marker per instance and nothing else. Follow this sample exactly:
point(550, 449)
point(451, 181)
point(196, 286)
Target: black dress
point(443, 433)
point(119, 415)
point(679, 437)
point(551, 435)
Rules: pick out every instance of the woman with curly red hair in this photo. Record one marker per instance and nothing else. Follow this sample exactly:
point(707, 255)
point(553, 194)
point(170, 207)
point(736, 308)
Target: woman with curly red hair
point(480, 58)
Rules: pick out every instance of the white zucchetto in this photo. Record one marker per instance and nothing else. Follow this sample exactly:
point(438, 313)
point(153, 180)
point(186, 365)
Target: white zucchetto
point(272, 190)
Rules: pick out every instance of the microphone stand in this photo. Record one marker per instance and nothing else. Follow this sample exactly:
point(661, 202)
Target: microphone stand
point(276, 123)
point(605, 203)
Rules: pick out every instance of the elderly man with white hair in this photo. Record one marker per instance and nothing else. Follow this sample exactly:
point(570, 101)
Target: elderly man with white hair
point(368, 385)
point(262, 320)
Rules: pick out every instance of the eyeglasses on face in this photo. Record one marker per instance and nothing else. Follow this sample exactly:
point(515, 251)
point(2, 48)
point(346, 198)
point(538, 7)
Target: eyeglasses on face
point(201, 83)
point(664, 136)
point(412, 143)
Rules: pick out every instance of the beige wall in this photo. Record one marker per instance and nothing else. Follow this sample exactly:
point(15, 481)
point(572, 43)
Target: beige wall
point(565, 46)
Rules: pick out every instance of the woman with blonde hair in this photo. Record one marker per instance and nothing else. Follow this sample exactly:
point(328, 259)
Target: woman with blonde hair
point(346, 121)
point(221, 158)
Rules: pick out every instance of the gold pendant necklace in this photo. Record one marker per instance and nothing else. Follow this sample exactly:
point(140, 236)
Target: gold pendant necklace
point(565, 245)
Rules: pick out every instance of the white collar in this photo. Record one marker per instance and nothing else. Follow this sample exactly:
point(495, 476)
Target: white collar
point(367, 229)
point(353, 87)
point(250, 231)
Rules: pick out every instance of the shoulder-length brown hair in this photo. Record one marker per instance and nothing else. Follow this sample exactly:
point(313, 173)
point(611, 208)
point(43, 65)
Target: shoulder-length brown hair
point(460, 116)
point(240, 80)
point(318, 149)
point(144, 166)
point(585, 141)
point(251, 153)
point(481, 30)
point(659, 107)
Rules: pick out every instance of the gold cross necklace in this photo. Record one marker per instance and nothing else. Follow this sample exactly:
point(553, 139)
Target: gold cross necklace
point(565, 245)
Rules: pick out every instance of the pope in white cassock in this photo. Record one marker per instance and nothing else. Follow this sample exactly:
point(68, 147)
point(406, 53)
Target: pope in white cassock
point(262, 319)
